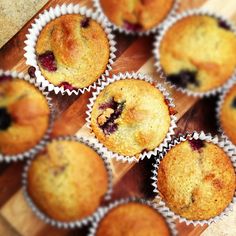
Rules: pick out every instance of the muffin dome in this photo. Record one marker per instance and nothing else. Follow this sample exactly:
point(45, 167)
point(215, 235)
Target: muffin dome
point(196, 179)
point(127, 123)
point(228, 114)
point(67, 181)
point(197, 53)
point(24, 115)
point(72, 51)
point(133, 219)
point(137, 15)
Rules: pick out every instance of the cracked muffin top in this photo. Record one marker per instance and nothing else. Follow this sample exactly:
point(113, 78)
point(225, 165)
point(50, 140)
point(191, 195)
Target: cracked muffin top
point(197, 53)
point(68, 49)
point(136, 15)
point(62, 181)
point(133, 219)
point(196, 179)
point(24, 115)
point(228, 114)
point(127, 123)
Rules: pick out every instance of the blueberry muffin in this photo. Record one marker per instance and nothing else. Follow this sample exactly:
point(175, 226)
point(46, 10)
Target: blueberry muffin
point(228, 114)
point(127, 123)
point(197, 53)
point(196, 179)
point(133, 219)
point(63, 183)
point(136, 15)
point(72, 50)
point(24, 115)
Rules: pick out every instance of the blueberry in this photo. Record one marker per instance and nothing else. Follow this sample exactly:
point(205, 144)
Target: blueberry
point(223, 24)
point(196, 144)
point(110, 126)
point(47, 61)
point(5, 78)
point(66, 85)
point(132, 27)
point(5, 119)
point(183, 78)
point(31, 71)
point(234, 103)
point(85, 22)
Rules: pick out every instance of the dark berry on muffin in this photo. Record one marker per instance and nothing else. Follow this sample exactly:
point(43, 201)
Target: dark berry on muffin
point(5, 119)
point(196, 144)
point(183, 78)
point(47, 61)
point(85, 22)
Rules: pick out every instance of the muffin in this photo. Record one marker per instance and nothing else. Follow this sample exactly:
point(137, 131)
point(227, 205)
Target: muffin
point(133, 218)
point(136, 15)
point(68, 49)
point(196, 179)
point(127, 123)
point(63, 183)
point(24, 115)
point(197, 53)
point(228, 114)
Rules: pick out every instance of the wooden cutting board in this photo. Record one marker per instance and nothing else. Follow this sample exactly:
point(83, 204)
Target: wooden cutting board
point(134, 54)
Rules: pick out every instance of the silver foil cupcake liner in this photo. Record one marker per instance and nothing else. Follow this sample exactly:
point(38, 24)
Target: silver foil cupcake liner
point(40, 145)
point(219, 107)
point(222, 143)
point(159, 207)
point(77, 223)
point(157, 43)
point(140, 76)
point(46, 17)
point(120, 29)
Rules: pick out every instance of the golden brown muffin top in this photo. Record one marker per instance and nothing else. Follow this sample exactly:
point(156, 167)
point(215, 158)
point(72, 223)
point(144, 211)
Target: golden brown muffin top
point(128, 123)
point(137, 15)
point(228, 114)
point(72, 49)
point(197, 53)
point(133, 219)
point(24, 116)
point(68, 181)
point(196, 179)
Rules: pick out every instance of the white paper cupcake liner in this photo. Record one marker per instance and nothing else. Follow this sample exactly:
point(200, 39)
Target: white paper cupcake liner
point(219, 108)
point(160, 208)
point(120, 29)
point(156, 51)
point(222, 143)
point(77, 223)
point(46, 17)
point(40, 145)
point(160, 87)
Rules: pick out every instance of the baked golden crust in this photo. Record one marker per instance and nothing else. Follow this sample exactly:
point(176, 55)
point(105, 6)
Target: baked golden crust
point(198, 44)
point(29, 113)
point(196, 184)
point(62, 181)
point(81, 53)
point(143, 122)
point(133, 219)
point(228, 114)
point(146, 13)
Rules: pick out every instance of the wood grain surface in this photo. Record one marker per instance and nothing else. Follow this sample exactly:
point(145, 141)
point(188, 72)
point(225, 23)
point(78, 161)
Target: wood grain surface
point(134, 54)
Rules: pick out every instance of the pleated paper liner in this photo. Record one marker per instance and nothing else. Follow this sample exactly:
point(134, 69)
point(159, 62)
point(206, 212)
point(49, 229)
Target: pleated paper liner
point(80, 222)
point(219, 108)
point(133, 75)
point(126, 31)
point(159, 207)
point(222, 143)
point(38, 25)
point(157, 43)
point(40, 145)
